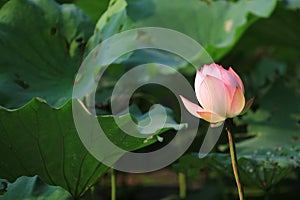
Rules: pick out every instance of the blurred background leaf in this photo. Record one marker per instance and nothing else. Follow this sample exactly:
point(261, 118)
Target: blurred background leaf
point(262, 169)
point(42, 45)
point(276, 122)
point(267, 57)
point(93, 8)
point(217, 26)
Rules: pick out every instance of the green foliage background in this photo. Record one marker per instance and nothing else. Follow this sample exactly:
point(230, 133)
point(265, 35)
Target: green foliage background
point(43, 43)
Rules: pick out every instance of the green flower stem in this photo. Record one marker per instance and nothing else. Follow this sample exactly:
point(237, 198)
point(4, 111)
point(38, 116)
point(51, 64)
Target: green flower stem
point(235, 165)
point(93, 193)
point(182, 185)
point(267, 195)
point(113, 184)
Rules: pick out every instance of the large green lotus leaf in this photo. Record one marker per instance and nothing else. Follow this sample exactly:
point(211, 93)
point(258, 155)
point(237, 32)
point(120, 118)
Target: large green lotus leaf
point(32, 188)
point(114, 20)
point(264, 39)
point(266, 58)
point(262, 169)
point(41, 46)
point(217, 26)
point(40, 140)
point(261, 77)
point(276, 121)
point(94, 8)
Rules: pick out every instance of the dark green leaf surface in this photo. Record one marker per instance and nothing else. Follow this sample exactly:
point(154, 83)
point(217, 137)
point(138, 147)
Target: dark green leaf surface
point(276, 122)
point(113, 21)
point(263, 168)
point(94, 8)
point(267, 59)
point(216, 26)
point(41, 46)
point(40, 140)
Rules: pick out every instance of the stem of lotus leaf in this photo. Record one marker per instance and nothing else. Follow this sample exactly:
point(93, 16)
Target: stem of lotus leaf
point(267, 195)
point(182, 185)
point(93, 193)
point(235, 164)
point(113, 184)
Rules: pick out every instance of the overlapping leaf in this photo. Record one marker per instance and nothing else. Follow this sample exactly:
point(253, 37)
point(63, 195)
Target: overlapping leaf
point(263, 168)
point(217, 26)
point(94, 8)
point(40, 140)
point(276, 122)
point(41, 46)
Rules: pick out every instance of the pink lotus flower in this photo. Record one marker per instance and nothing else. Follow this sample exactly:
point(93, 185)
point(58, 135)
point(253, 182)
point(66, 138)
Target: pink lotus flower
point(220, 92)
